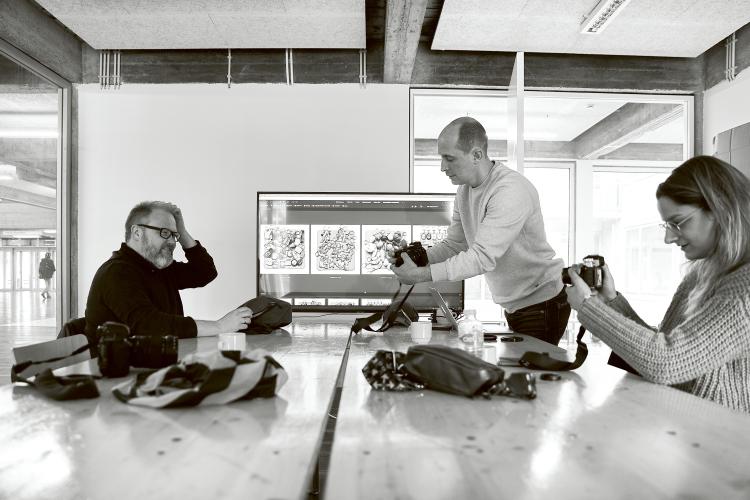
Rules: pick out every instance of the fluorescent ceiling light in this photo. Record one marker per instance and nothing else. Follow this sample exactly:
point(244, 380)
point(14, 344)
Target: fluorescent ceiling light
point(601, 15)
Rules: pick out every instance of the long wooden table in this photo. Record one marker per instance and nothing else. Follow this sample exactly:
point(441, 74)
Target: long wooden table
point(104, 449)
point(597, 433)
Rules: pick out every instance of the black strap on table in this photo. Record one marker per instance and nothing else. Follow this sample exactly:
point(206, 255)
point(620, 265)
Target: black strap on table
point(364, 323)
point(543, 361)
point(20, 367)
point(58, 388)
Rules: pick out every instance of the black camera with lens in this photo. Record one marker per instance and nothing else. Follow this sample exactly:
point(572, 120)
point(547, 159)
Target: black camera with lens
point(591, 272)
point(416, 253)
point(118, 350)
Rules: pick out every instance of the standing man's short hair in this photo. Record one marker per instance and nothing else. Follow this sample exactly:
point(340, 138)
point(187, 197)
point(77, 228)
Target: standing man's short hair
point(471, 134)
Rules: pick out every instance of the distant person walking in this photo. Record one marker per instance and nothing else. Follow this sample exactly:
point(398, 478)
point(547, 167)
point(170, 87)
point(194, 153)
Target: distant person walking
point(46, 271)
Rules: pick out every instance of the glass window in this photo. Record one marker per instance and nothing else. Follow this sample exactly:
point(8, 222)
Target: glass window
point(626, 233)
point(29, 158)
point(595, 160)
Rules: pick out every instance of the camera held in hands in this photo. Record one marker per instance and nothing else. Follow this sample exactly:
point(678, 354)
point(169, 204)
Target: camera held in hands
point(118, 350)
point(416, 253)
point(591, 272)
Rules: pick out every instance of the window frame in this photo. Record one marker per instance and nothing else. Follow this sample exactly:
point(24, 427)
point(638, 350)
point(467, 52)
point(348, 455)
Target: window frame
point(65, 248)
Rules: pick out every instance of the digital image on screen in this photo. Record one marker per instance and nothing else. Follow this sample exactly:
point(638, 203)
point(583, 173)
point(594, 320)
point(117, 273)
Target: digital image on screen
point(429, 236)
point(285, 249)
point(377, 242)
point(335, 249)
point(328, 251)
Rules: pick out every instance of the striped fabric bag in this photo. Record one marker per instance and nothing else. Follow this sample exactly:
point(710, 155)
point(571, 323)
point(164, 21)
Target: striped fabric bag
point(205, 378)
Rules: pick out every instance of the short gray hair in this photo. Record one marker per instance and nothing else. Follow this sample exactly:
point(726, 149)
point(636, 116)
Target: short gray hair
point(140, 212)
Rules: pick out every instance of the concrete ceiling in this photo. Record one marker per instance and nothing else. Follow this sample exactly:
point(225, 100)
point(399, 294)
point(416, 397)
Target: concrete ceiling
point(205, 24)
point(666, 28)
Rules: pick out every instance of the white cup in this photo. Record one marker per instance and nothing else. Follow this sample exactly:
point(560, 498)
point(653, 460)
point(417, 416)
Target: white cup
point(232, 341)
point(421, 331)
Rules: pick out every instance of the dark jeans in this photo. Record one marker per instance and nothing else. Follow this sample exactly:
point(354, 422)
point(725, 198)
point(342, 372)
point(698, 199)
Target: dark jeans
point(546, 320)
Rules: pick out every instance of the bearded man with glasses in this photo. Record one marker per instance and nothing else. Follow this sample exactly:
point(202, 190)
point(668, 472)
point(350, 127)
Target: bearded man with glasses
point(139, 285)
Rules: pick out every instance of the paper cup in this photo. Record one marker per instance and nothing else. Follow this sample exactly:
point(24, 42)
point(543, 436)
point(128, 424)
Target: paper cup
point(234, 341)
point(421, 331)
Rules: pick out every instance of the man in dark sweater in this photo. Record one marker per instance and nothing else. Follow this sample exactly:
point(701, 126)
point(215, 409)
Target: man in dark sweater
point(139, 285)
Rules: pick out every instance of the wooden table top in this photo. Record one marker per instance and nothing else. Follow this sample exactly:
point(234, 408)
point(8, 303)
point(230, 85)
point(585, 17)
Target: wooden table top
point(597, 433)
point(102, 448)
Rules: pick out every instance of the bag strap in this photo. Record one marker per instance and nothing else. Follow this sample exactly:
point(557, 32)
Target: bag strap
point(66, 388)
point(20, 367)
point(366, 322)
point(543, 361)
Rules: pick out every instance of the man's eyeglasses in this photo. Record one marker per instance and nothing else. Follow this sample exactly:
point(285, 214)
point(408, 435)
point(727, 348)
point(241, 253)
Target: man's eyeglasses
point(163, 232)
point(675, 228)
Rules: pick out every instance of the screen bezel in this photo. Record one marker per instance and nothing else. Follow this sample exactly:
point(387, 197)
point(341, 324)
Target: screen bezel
point(329, 308)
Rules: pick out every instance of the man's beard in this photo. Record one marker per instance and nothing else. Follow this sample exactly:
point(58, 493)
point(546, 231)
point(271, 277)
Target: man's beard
point(160, 257)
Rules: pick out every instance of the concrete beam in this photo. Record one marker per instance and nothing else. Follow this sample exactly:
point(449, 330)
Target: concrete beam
point(622, 127)
point(403, 27)
point(35, 159)
point(646, 151)
point(19, 216)
point(27, 27)
point(8, 193)
point(714, 58)
point(499, 149)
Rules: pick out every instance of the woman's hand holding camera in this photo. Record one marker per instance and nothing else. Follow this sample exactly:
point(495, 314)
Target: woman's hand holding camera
point(608, 291)
point(580, 290)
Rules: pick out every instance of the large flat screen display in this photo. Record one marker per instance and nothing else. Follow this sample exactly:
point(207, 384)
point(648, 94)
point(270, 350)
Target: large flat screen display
point(327, 251)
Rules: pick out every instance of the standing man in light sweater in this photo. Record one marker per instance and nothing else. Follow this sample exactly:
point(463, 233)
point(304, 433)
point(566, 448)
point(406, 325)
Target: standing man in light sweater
point(497, 230)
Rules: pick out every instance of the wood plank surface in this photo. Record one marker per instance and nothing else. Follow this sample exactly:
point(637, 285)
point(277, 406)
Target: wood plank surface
point(597, 433)
point(102, 448)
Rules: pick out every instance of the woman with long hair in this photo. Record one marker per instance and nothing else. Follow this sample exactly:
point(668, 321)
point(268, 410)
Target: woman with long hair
point(702, 345)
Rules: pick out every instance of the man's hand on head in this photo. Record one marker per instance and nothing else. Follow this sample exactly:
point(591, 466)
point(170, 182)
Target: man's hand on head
point(186, 240)
point(409, 273)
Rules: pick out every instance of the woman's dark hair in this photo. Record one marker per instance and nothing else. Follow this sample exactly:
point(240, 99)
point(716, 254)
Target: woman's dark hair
point(723, 192)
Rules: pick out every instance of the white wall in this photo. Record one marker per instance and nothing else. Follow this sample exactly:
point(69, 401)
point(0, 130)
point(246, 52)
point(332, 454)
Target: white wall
point(209, 149)
point(725, 106)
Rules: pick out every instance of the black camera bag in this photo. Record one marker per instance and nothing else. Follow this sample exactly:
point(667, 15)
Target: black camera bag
point(268, 314)
point(445, 369)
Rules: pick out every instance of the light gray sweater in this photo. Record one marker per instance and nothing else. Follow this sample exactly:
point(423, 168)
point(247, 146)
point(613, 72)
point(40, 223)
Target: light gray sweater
point(497, 230)
point(706, 354)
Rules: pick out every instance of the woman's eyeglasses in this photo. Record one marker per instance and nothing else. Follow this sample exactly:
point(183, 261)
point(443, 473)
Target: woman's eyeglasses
point(163, 232)
point(675, 227)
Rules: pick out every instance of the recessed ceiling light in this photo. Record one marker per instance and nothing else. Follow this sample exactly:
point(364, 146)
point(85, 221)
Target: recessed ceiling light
point(601, 15)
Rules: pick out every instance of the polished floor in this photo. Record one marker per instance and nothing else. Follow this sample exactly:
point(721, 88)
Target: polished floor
point(25, 318)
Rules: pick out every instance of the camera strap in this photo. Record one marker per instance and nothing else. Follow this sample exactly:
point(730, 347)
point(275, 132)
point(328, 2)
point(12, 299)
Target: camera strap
point(63, 388)
point(391, 315)
point(543, 361)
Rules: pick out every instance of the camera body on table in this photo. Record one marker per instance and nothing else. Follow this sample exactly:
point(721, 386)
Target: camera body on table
point(416, 253)
point(118, 350)
point(591, 272)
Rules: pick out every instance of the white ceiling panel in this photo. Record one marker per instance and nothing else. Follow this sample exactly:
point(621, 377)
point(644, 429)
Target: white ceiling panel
point(671, 28)
point(205, 24)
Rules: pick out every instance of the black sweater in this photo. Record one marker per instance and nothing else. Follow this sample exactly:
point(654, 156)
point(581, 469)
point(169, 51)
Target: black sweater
point(129, 289)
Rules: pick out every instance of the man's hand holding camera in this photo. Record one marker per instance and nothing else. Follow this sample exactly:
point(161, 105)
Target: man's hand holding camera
point(406, 269)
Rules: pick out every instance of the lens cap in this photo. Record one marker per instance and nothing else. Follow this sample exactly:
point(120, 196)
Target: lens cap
point(549, 377)
point(490, 337)
point(511, 338)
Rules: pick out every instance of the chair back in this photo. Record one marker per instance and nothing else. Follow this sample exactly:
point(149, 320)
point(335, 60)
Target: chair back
point(60, 348)
point(73, 327)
